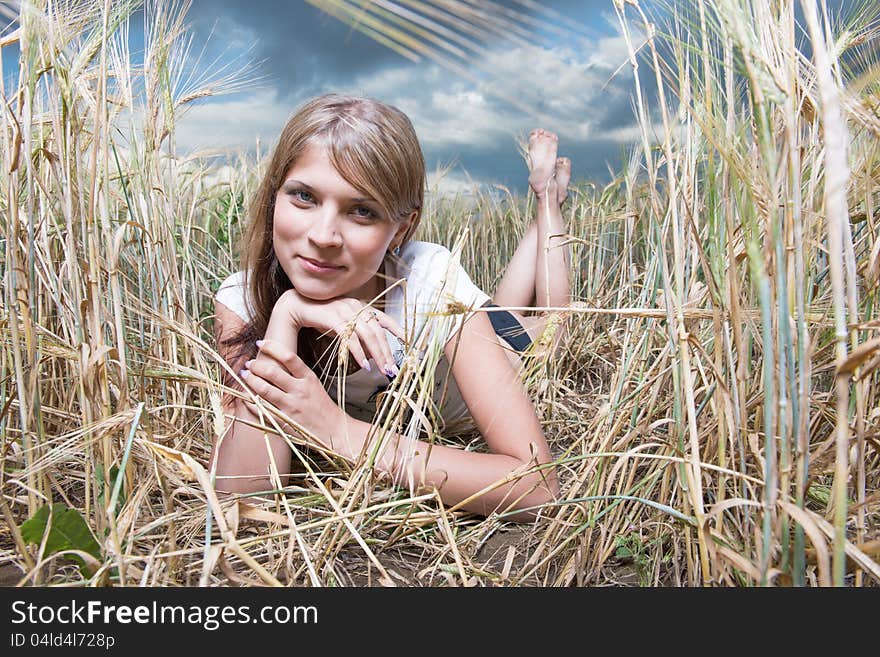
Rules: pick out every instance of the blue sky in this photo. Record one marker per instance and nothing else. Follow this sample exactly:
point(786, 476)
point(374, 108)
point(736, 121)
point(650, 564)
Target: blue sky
point(571, 75)
point(564, 79)
point(568, 73)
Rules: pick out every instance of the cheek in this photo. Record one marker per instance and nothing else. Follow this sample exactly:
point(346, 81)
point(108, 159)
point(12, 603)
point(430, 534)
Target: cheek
point(371, 243)
point(369, 256)
point(285, 224)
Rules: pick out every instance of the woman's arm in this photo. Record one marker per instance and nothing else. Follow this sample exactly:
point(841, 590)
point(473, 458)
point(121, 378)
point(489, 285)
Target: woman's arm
point(504, 415)
point(243, 452)
point(243, 455)
point(490, 388)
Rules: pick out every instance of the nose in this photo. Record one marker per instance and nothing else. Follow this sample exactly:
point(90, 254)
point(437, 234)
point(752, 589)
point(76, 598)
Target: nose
point(324, 231)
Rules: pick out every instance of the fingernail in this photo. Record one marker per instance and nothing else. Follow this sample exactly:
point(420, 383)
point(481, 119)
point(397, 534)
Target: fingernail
point(243, 373)
point(248, 363)
point(366, 365)
point(259, 344)
point(391, 370)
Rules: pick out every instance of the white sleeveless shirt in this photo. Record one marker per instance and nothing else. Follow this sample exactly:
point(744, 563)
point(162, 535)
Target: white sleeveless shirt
point(432, 279)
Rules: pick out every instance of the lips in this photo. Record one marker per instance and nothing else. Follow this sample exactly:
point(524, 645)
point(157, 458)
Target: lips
point(320, 264)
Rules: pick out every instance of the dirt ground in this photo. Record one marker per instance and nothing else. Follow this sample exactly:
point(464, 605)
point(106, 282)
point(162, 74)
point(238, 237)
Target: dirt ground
point(10, 574)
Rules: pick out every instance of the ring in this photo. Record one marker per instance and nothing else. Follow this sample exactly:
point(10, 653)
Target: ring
point(374, 315)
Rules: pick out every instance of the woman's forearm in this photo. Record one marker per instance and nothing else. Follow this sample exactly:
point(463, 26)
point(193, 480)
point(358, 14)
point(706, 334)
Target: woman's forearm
point(243, 455)
point(456, 474)
point(282, 327)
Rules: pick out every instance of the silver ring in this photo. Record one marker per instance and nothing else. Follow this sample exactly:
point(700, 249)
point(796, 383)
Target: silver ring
point(374, 315)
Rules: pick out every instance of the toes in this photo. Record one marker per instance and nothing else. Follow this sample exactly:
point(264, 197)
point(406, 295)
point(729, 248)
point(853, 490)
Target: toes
point(540, 133)
point(541, 158)
point(563, 168)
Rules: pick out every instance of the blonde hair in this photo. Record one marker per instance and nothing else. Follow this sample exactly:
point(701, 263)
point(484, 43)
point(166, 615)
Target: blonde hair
point(374, 148)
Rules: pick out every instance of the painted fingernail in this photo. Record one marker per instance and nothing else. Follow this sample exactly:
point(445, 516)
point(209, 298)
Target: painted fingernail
point(243, 373)
point(366, 365)
point(391, 370)
point(260, 344)
point(248, 363)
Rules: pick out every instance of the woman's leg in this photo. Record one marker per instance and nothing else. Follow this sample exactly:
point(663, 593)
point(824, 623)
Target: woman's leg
point(552, 288)
point(517, 286)
point(538, 273)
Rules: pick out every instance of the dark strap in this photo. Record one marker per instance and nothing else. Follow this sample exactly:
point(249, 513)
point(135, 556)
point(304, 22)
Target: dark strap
point(506, 326)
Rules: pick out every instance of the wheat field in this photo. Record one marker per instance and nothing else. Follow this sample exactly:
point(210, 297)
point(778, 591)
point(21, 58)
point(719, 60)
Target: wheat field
point(714, 412)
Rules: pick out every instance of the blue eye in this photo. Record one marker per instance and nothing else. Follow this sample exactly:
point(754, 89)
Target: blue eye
point(364, 212)
point(301, 195)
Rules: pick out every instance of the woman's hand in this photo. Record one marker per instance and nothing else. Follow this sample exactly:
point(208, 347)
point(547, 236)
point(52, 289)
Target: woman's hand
point(363, 326)
point(280, 377)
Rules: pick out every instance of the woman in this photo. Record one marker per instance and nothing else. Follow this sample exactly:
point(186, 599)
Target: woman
point(329, 247)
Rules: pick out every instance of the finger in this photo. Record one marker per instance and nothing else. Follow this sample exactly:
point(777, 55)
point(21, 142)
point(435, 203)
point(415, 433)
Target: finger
point(264, 414)
point(260, 386)
point(348, 331)
point(272, 371)
point(388, 322)
point(372, 334)
point(357, 351)
point(385, 320)
point(292, 363)
point(349, 314)
point(255, 410)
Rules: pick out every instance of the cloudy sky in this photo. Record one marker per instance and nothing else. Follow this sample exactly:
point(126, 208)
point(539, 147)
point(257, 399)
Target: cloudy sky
point(564, 68)
point(567, 72)
point(569, 76)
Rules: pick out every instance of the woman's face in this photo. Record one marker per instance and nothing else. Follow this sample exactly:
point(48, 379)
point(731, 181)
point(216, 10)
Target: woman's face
point(329, 237)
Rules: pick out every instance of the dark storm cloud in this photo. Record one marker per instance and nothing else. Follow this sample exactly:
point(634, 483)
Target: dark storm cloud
point(304, 52)
point(303, 49)
point(618, 113)
point(300, 48)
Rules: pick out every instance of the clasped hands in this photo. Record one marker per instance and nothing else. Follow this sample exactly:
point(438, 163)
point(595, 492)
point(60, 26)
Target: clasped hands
point(279, 376)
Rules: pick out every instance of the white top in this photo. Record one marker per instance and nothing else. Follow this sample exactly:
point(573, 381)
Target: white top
point(433, 277)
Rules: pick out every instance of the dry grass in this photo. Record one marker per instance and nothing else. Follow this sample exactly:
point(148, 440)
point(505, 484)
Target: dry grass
point(714, 412)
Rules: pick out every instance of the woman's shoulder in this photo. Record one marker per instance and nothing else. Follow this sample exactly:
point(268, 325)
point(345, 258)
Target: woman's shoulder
point(236, 279)
point(416, 251)
point(424, 260)
point(434, 267)
point(233, 293)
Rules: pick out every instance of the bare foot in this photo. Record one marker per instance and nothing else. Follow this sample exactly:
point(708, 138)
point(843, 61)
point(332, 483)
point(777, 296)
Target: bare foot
point(542, 159)
point(563, 175)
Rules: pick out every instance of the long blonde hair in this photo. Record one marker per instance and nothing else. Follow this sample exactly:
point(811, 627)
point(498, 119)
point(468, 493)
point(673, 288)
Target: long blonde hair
point(374, 148)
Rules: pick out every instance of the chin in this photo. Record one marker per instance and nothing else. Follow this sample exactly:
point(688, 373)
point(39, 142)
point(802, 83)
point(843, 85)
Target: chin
point(316, 292)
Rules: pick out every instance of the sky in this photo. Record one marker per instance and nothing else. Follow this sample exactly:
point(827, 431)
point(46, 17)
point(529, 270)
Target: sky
point(570, 77)
point(569, 73)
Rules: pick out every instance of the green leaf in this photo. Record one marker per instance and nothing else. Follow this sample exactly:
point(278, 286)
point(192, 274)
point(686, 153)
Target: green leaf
point(822, 494)
point(623, 553)
point(102, 499)
point(69, 531)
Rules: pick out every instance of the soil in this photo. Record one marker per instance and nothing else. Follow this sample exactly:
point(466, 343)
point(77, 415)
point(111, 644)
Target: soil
point(10, 575)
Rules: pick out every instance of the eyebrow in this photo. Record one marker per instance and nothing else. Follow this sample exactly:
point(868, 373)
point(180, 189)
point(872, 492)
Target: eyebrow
point(294, 181)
